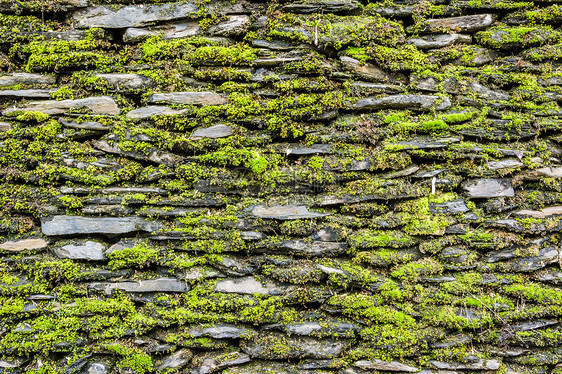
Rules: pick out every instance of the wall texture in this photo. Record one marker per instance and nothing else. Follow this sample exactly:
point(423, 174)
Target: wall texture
point(317, 186)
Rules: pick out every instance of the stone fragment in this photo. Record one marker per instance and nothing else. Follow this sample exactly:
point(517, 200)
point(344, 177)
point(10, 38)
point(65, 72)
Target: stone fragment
point(219, 331)
point(248, 285)
point(88, 250)
point(456, 24)
point(71, 225)
point(232, 26)
point(544, 213)
point(28, 94)
point(486, 93)
point(366, 70)
point(505, 164)
point(450, 207)
point(175, 361)
point(305, 248)
point(470, 363)
point(413, 102)
point(300, 347)
point(298, 150)
point(426, 143)
point(285, 212)
point(175, 30)
point(533, 325)
point(23, 245)
point(148, 285)
point(488, 187)
point(439, 40)
point(213, 132)
point(123, 82)
point(14, 79)
point(321, 6)
point(120, 17)
point(88, 125)
point(385, 366)
point(154, 110)
point(190, 98)
point(5, 126)
point(211, 365)
point(96, 105)
point(316, 329)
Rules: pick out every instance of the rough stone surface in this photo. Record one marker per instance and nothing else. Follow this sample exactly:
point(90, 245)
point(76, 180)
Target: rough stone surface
point(168, 31)
point(148, 285)
point(88, 250)
point(412, 102)
point(193, 98)
point(24, 244)
point(13, 79)
point(285, 212)
point(69, 225)
point(247, 285)
point(213, 132)
point(486, 188)
point(459, 24)
point(95, 105)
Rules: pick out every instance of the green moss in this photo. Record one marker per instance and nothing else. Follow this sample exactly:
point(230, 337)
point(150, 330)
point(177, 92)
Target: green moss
point(501, 37)
point(412, 271)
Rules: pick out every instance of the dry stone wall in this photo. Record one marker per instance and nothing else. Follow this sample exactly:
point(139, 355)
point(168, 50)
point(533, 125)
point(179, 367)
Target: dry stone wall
point(307, 186)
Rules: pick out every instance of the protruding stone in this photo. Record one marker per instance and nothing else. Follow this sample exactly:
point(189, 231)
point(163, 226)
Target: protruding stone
point(439, 41)
point(471, 363)
point(457, 24)
point(190, 98)
point(293, 348)
point(385, 366)
point(365, 70)
point(23, 245)
point(178, 360)
point(213, 132)
point(321, 6)
point(169, 31)
point(28, 94)
point(95, 105)
point(154, 110)
point(248, 285)
point(219, 331)
point(539, 214)
point(14, 79)
point(488, 187)
point(88, 250)
point(122, 82)
point(285, 212)
point(413, 102)
point(148, 285)
point(232, 26)
point(120, 17)
point(71, 225)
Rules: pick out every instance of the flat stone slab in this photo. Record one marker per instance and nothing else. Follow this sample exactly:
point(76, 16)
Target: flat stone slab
point(458, 24)
point(154, 110)
point(285, 212)
point(213, 132)
point(439, 41)
point(385, 366)
point(26, 79)
point(413, 102)
point(24, 244)
point(249, 286)
point(29, 94)
point(71, 225)
point(169, 31)
point(321, 6)
point(294, 347)
point(544, 213)
point(190, 98)
point(97, 105)
point(220, 331)
point(148, 285)
point(489, 187)
point(366, 71)
point(115, 17)
point(88, 125)
point(474, 363)
point(232, 26)
point(88, 250)
point(126, 81)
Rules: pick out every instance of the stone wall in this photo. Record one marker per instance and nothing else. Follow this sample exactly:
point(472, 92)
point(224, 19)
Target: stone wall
point(315, 186)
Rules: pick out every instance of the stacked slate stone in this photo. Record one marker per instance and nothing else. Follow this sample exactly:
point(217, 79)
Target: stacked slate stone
point(315, 186)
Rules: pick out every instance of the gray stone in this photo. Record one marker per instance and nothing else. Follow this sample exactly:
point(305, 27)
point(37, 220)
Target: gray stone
point(317, 329)
point(413, 102)
point(505, 164)
point(487, 187)
point(154, 110)
point(385, 366)
point(285, 212)
point(71, 225)
point(232, 26)
point(486, 93)
point(120, 17)
point(300, 347)
point(305, 248)
point(178, 360)
point(366, 70)
point(450, 207)
point(219, 331)
point(457, 24)
point(426, 143)
point(23, 245)
point(28, 94)
point(88, 125)
point(533, 325)
point(168, 31)
point(153, 154)
point(148, 285)
point(213, 132)
point(439, 41)
point(5, 126)
point(96, 105)
point(545, 256)
point(297, 150)
point(544, 213)
point(123, 82)
point(471, 363)
point(321, 6)
point(26, 79)
point(211, 365)
point(88, 250)
point(248, 285)
point(190, 98)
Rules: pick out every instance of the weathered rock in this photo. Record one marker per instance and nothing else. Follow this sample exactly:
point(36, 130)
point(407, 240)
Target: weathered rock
point(191, 98)
point(23, 245)
point(154, 110)
point(96, 105)
point(248, 285)
point(148, 285)
point(14, 79)
point(211, 365)
point(296, 150)
point(88, 125)
point(220, 331)
point(168, 31)
point(120, 17)
point(293, 348)
point(305, 248)
point(385, 366)
point(285, 212)
point(471, 363)
point(88, 250)
point(213, 132)
point(485, 188)
point(505, 164)
point(439, 41)
point(366, 70)
point(457, 24)
point(123, 82)
point(321, 6)
point(449, 207)
point(412, 102)
point(232, 26)
point(486, 93)
point(69, 225)
point(544, 213)
point(319, 330)
point(425, 143)
point(178, 360)
point(28, 94)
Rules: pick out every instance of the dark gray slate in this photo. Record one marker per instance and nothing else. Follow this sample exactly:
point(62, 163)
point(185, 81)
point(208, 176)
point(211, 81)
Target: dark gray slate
point(413, 102)
point(69, 225)
point(248, 285)
point(487, 187)
point(213, 132)
point(86, 250)
point(285, 212)
point(148, 285)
